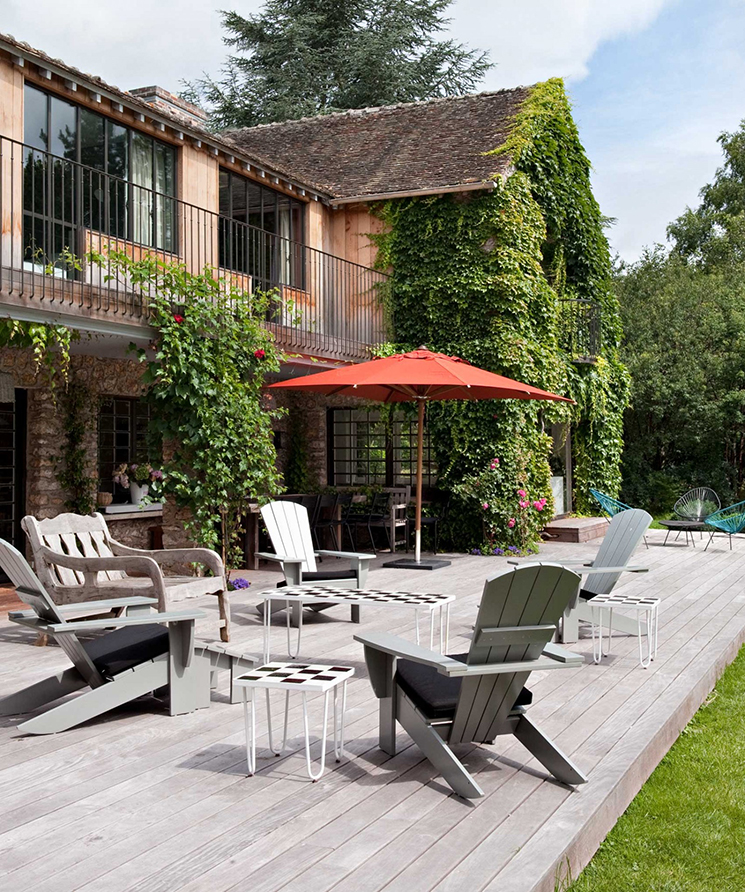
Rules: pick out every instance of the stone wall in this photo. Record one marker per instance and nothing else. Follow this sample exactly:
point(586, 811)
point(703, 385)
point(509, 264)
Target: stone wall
point(45, 433)
point(120, 377)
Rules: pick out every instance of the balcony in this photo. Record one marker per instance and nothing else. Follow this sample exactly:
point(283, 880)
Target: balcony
point(579, 329)
point(52, 207)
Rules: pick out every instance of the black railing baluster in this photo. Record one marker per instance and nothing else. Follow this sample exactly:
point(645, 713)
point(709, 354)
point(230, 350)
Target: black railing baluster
point(51, 201)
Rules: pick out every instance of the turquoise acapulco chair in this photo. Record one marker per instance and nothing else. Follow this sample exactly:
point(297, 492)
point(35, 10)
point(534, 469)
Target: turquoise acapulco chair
point(729, 520)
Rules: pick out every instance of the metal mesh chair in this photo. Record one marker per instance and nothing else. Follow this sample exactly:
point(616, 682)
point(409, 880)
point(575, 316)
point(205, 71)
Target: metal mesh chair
point(730, 520)
point(608, 505)
point(697, 504)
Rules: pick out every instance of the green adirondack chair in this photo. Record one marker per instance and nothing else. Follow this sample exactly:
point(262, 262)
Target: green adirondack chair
point(441, 700)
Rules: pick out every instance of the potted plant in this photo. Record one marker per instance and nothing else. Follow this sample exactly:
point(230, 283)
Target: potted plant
point(137, 477)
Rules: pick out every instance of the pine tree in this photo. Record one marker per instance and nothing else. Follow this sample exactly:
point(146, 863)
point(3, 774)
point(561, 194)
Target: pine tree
point(310, 57)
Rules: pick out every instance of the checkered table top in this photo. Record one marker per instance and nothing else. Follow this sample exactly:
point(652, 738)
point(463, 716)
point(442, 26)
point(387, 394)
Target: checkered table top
point(632, 601)
point(356, 596)
point(305, 676)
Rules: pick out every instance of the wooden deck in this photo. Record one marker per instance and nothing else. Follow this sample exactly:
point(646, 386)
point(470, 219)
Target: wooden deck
point(144, 802)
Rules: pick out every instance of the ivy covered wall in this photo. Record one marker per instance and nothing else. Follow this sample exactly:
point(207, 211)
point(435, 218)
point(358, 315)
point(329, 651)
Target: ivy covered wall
point(480, 275)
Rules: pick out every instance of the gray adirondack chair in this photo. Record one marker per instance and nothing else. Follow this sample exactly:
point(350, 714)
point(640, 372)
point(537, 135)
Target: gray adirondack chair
point(441, 700)
point(625, 531)
point(137, 658)
point(65, 549)
point(289, 529)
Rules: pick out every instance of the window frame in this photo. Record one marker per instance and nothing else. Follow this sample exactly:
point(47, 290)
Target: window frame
point(107, 466)
point(158, 202)
point(394, 463)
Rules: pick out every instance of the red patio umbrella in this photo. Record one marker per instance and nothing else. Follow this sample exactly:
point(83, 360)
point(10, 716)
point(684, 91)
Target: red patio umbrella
point(417, 376)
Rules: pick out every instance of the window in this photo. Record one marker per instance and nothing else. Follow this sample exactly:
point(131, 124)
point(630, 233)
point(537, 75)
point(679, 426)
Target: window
point(122, 438)
point(261, 232)
point(366, 451)
point(126, 187)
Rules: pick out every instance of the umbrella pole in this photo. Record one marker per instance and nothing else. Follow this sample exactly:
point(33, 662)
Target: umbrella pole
point(419, 474)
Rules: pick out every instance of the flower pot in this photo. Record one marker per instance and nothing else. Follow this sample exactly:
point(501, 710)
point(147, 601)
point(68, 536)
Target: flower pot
point(137, 492)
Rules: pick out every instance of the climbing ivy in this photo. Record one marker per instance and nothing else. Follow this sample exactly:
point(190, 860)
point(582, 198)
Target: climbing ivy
point(480, 275)
point(72, 467)
point(49, 344)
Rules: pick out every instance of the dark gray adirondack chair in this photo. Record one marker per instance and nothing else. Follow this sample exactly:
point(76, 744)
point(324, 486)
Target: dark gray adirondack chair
point(137, 658)
point(625, 531)
point(289, 529)
point(441, 700)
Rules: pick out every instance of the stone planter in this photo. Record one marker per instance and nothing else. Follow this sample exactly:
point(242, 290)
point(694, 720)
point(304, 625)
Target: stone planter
point(137, 492)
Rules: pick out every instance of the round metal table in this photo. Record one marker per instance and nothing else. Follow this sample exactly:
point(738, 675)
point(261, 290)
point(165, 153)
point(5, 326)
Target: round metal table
point(689, 527)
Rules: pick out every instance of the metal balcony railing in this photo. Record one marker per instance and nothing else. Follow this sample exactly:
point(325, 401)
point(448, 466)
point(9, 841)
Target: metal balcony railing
point(53, 208)
point(579, 328)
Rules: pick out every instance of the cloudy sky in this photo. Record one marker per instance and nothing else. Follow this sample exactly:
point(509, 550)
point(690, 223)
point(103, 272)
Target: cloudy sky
point(653, 82)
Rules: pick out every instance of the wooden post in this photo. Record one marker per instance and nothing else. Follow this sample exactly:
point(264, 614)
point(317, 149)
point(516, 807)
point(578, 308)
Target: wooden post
point(419, 473)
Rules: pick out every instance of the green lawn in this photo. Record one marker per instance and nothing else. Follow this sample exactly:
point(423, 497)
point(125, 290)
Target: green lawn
point(685, 831)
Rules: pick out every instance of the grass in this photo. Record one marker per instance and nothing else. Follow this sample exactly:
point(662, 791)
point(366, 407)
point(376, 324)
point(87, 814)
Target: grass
point(685, 830)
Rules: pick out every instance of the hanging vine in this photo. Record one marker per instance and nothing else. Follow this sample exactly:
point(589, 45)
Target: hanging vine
point(480, 276)
point(49, 344)
point(72, 469)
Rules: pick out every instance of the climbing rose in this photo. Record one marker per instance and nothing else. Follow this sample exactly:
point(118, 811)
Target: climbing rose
point(177, 318)
point(511, 522)
point(524, 503)
point(485, 506)
point(259, 354)
point(522, 493)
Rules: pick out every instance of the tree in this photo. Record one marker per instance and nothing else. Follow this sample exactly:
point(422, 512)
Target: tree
point(310, 57)
point(714, 233)
point(684, 339)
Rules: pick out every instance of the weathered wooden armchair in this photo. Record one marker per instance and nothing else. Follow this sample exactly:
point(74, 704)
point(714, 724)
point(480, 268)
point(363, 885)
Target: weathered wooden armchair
point(78, 561)
point(148, 651)
point(442, 701)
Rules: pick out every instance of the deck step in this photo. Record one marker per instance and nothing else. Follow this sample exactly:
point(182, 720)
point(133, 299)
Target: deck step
point(576, 529)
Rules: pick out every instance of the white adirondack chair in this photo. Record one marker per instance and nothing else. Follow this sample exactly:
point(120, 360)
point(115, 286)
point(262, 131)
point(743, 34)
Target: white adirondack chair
point(289, 529)
point(441, 701)
point(78, 561)
point(625, 532)
point(147, 651)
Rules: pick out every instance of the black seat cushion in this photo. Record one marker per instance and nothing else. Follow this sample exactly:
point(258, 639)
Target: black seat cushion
point(434, 694)
point(324, 576)
point(127, 647)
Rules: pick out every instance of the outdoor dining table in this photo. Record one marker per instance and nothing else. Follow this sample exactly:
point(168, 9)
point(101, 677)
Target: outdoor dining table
point(303, 594)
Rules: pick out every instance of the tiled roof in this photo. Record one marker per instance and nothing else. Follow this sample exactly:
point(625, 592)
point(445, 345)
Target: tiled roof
point(409, 148)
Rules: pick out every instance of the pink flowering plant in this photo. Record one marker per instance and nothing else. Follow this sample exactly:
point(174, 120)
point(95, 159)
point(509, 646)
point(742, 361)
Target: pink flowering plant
point(511, 516)
point(142, 473)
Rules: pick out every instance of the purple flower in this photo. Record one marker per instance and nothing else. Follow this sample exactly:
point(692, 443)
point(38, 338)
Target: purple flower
point(498, 551)
point(475, 551)
point(239, 582)
point(513, 548)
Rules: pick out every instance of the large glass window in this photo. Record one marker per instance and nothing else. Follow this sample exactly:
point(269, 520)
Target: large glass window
point(367, 450)
point(104, 176)
point(123, 438)
point(261, 232)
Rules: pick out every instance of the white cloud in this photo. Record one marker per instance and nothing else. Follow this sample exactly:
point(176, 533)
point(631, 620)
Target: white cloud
point(130, 44)
point(531, 40)
point(143, 42)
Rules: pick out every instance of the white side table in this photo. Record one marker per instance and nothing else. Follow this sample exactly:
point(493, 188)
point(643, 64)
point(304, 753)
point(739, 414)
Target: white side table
point(642, 606)
point(302, 594)
point(306, 678)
